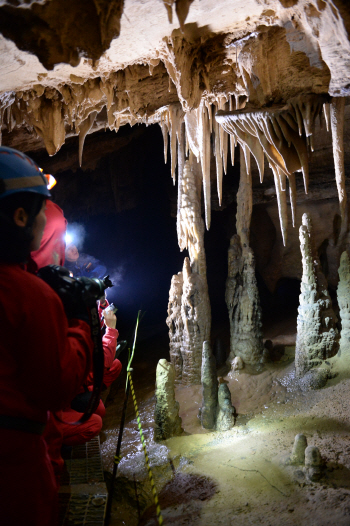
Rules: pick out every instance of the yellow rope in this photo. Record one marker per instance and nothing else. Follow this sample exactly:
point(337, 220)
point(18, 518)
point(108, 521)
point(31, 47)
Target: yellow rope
point(154, 491)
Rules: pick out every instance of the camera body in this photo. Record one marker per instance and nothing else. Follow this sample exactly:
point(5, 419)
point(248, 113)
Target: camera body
point(86, 290)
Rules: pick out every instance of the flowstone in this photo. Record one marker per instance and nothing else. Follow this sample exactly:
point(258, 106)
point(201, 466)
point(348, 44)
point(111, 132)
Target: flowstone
point(317, 335)
point(343, 294)
point(225, 419)
point(243, 304)
point(166, 415)
point(209, 388)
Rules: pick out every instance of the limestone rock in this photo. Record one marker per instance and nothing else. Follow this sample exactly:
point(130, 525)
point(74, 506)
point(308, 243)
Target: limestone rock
point(175, 324)
point(298, 453)
point(225, 419)
point(209, 388)
point(313, 463)
point(166, 415)
point(237, 364)
point(242, 300)
point(343, 294)
point(317, 335)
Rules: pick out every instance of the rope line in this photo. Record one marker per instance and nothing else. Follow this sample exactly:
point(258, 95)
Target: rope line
point(150, 475)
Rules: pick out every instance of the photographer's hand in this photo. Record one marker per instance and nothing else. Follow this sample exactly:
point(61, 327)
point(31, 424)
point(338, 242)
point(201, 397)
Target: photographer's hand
point(110, 318)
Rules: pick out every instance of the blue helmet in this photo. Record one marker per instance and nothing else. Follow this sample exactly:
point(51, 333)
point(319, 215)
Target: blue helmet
point(19, 173)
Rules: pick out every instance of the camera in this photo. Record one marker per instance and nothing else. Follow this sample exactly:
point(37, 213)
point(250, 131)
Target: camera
point(87, 290)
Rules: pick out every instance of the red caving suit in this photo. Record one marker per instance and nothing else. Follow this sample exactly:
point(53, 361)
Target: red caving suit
point(43, 362)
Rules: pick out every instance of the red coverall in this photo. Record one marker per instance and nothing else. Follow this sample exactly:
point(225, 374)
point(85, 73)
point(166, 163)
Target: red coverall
point(75, 435)
point(43, 362)
point(52, 246)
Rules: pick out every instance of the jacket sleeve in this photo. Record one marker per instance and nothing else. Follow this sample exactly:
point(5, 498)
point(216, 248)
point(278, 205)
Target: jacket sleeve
point(109, 343)
point(58, 354)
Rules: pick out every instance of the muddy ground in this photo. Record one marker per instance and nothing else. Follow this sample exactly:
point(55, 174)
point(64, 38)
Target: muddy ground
point(242, 476)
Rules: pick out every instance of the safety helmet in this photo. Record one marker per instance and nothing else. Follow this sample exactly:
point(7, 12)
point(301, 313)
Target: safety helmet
point(19, 173)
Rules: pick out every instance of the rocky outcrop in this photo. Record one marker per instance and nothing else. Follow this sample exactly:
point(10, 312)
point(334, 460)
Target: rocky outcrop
point(343, 294)
point(166, 415)
point(209, 388)
point(317, 335)
point(243, 304)
point(225, 419)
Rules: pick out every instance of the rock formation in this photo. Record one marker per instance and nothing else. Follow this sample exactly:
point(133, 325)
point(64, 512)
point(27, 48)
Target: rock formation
point(298, 453)
point(317, 335)
point(209, 388)
point(175, 324)
point(343, 294)
point(187, 336)
point(166, 415)
point(225, 419)
point(243, 304)
point(313, 463)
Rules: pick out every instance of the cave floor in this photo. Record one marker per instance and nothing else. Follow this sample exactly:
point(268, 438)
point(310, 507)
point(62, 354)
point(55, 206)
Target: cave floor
point(239, 476)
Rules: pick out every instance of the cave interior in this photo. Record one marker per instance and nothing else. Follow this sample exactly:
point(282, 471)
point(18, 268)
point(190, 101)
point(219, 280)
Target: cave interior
point(172, 128)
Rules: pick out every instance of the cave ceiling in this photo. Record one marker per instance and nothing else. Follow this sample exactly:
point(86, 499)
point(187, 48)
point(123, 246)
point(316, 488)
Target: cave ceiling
point(70, 68)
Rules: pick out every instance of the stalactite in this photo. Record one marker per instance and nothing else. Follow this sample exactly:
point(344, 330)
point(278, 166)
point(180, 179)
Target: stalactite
point(282, 205)
point(292, 196)
point(218, 160)
point(337, 124)
point(205, 160)
point(281, 133)
point(165, 140)
point(84, 129)
point(327, 115)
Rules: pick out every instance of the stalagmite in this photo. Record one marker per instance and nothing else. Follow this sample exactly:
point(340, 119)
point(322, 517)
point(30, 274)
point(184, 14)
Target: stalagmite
point(297, 457)
point(225, 419)
point(313, 463)
point(343, 295)
point(166, 414)
point(209, 388)
point(175, 324)
point(195, 313)
point(337, 124)
point(317, 335)
point(243, 304)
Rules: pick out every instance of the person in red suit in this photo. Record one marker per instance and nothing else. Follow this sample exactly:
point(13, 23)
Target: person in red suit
point(44, 357)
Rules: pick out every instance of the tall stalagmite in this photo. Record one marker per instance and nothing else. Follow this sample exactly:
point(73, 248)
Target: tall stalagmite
point(343, 294)
point(189, 326)
point(242, 297)
point(243, 304)
point(317, 335)
point(209, 388)
point(166, 415)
